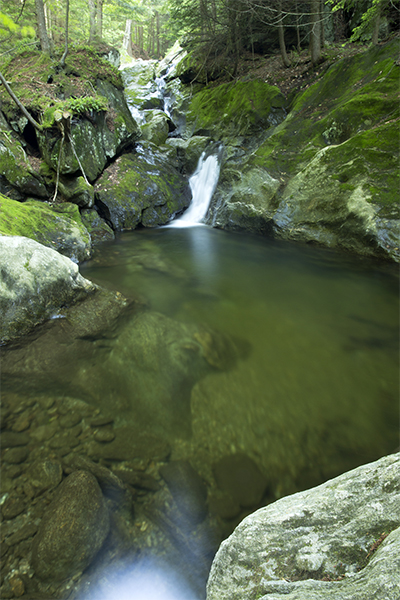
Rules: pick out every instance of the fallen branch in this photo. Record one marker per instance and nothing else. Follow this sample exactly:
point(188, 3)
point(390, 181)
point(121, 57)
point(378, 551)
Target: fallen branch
point(19, 104)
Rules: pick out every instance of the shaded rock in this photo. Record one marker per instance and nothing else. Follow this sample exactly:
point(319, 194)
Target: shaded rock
point(129, 444)
point(26, 531)
point(9, 439)
point(77, 191)
point(35, 283)
point(324, 537)
point(43, 432)
point(13, 506)
point(239, 476)
point(110, 484)
point(17, 178)
point(104, 435)
point(44, 475)
point(96, 140)
point(224, 506)
point(137, 478)
point(140, 189)
point(186, 153)
point(156, 128)
point(59, 227)
point(98, 229)
point(15, 456)
point(73, 529)
point(188, 490)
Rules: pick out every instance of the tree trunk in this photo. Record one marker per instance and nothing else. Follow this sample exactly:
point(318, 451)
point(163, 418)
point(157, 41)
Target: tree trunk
point(42, 30)
point(376, 25)
point(99, 20)
point(64, 56)
point(19, 104)
point(127, 41)
point(281, 35)
point(321, 16)
point(315, 33)
point(158, 35)
point(92, 21)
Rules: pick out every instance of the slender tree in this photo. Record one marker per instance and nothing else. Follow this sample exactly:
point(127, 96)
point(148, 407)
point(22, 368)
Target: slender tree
point(42, 29)
point(315, 32)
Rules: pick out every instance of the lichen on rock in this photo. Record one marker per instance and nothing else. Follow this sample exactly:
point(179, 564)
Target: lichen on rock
point(318, 543)
point(36, 282)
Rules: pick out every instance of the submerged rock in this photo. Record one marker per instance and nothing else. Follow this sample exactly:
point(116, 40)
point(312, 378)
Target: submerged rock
point(35, 283)
point(73, 529)
point(337, 541)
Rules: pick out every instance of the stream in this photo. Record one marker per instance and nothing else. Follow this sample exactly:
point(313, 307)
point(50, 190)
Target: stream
point(257, 366)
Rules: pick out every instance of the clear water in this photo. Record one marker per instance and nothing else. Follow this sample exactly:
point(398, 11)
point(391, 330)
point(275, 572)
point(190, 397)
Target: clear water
point(316, 388)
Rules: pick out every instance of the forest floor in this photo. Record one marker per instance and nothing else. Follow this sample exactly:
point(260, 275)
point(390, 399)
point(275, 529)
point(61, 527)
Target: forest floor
point(300, 74)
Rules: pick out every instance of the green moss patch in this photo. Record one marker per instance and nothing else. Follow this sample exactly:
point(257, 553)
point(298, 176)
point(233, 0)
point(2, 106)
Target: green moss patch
point(231, 109)
point(60, 228)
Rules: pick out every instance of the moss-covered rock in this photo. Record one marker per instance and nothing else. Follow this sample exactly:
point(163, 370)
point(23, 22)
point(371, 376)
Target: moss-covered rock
point(185, 154)
point(140, 189)
point(17, 178)
point(335, 158)
point(59, 227)
point(234, 110)
point(35, 283)
point(76, 190)
point(94, 137)
point(98, 229)
point(156, 127)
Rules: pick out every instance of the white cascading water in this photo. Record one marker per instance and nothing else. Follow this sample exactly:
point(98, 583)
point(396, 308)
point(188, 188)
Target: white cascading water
point(202, 184)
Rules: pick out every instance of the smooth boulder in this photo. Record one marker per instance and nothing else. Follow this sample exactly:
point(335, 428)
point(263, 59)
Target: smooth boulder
point(325, 542)
point(73, 529)
point(35, 283)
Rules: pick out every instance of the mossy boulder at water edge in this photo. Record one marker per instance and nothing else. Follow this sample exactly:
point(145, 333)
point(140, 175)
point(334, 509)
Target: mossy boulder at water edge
point(333, 160)
point(235, 110)
point(59, 227)
point(35, 283)
point(337, 541)
point(141, 189)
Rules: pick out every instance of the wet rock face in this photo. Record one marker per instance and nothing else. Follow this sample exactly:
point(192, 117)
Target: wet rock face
point(330, 536)
point(140, 189)
point(328, 174)
point(17, 177)
point(95, 141)
point(73, 529)
point(35, 282)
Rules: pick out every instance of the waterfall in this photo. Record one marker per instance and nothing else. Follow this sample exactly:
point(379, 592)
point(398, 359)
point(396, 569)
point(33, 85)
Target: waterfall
point(202, 184)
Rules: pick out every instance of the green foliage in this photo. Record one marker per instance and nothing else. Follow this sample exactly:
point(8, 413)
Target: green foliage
point(73, 106)
point(7, 25)
point(376, 9)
